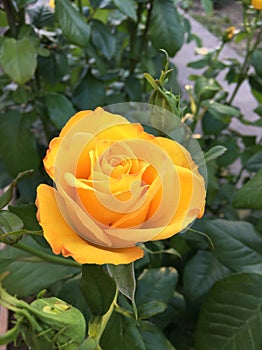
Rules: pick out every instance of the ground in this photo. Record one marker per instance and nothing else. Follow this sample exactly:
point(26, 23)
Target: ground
point(226, 13)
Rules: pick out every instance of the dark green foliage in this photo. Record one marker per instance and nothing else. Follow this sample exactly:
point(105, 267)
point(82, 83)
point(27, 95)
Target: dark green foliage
point(200, 289)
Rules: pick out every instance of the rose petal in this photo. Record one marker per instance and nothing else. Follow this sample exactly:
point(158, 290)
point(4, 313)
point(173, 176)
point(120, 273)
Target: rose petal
point(179, 155)
point(117, 131)
point(73, 121)
point(51, 153)
point(190, 203)
point(97, 204)
point(80, 220)
point(64, 240)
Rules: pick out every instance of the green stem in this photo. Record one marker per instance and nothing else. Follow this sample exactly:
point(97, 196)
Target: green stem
point(214, 60)
point(239, 176)
point(11, 18)
point(80, 6)
point(204, 235)
point(46, 257)
point(197, 118)
point(46, 127)
point(21, 232)
point(133, 37)
point(246, 64)
point(19, 307)
point(148, 19)
point(97, 324)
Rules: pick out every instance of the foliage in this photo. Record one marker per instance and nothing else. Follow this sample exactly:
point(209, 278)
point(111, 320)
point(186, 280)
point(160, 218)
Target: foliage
point(200, 288)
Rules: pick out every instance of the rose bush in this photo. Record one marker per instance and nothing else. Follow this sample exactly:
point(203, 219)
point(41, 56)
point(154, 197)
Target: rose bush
point(115, 187)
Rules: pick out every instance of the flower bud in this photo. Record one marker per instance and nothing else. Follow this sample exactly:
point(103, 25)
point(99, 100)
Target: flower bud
point(168, 101)
point(61, 324)
point(229, 34)
point(47, 323)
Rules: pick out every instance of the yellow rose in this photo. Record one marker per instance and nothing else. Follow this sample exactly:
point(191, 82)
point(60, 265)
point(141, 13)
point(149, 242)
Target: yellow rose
point(115, 187)
point(257, 4)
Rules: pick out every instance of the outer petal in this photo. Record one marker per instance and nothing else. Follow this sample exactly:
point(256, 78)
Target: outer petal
point(92, 122)
point(51, 153)
point(179, 155)
point(191, 203)
point(64, 240)
point(72, 121)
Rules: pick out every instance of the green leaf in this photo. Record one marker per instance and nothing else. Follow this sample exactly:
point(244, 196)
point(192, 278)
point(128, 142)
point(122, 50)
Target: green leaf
point(102, 39)
point(10, 222)
point(220, 109)
point(21, 95)
point(206, 88)
point(164, 281)
point(89, 94)
point(124, 276)
point(255, 162)
point(127, 7)
point(98, 289)
point(29, 275)
point(257, 61)
point(89, 344)
point(236, 244)
point(214, 153)
point(54, 67)
point(200, 273)
point(17, 144)
point(41, 16)
point(121, 333)
point(250, 195)
point(258, 110)
point(166, 30)
point(212, 125)
point(10, 335)
point(95, 3)
point(150, 309)
point(27, 213)
point(133, 88)
point(153, 338)
point(6, 197)
point(231, 315)
point(76, 299)
point(199, 64)
point(208, 6)
point(232, 153)
point(18, 59)
point(23, 3)
point(124, 334)
point(3, 19)
point(72, 23)
point(174, 313)
point(255, 82)
point(60, 109)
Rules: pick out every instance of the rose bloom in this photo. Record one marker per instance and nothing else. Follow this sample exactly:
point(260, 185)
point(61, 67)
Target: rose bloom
point(257, 4)
point(115, 186)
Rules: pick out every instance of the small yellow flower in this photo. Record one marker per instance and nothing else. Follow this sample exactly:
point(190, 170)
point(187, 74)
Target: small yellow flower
point(257, 4)
point(229, 34)
point(52, 3)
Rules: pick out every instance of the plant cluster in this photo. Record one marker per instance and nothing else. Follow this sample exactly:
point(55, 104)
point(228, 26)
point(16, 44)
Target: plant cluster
point(200, 288)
